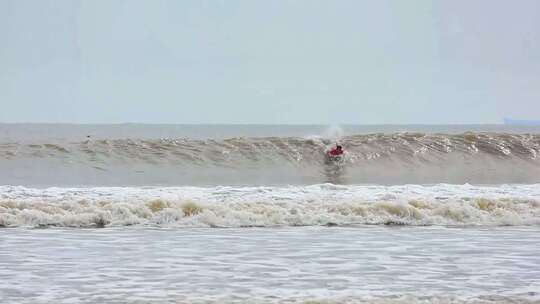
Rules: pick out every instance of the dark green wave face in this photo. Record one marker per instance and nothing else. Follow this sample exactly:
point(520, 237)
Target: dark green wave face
point(396, 158)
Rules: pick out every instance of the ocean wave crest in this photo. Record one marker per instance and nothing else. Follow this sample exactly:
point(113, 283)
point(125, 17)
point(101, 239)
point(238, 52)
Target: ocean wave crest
point(375, 158)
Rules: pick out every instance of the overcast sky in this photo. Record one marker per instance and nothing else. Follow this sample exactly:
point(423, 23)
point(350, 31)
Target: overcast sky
point(297, 61)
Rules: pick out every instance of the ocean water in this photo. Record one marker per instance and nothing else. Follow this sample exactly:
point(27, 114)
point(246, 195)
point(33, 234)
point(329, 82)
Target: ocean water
point(256, 214)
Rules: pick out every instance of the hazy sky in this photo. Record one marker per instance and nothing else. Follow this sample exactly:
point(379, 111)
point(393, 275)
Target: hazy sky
point(361, 62)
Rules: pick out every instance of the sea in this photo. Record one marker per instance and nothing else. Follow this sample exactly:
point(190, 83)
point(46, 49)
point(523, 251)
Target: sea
point(138, 213)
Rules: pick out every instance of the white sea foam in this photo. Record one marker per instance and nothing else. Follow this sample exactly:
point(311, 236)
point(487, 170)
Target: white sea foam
point(396, 299)
point(323, 204)
point(367, 264)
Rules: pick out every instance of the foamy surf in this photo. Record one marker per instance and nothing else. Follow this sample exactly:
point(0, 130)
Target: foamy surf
point(316, 205)
point(373, 264)
point(395, 299)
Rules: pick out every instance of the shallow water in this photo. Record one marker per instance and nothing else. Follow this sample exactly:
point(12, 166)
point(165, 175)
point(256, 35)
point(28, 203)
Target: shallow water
point(270, 265)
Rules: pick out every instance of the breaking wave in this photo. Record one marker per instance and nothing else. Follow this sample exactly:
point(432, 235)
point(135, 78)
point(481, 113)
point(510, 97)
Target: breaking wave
point(324, 204)
point(486, 158)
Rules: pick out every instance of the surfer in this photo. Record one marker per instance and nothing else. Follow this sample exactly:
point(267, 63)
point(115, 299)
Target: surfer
point(334, 166)
point(337, 151)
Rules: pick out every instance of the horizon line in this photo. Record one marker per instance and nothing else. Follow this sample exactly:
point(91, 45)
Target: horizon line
point(251, 124)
